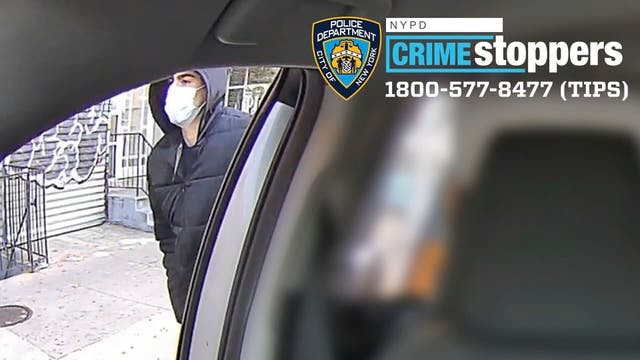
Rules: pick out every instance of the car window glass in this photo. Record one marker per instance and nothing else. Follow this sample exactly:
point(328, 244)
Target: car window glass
point(82, 275)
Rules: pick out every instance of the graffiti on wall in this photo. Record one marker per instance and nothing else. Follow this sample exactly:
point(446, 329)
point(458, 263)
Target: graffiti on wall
point(252, 97)
point(70, 151)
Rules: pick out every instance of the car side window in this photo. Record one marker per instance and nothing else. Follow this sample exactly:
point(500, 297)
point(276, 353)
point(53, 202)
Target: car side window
point(89, 266)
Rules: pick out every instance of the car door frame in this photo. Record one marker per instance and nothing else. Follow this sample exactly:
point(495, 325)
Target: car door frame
point(265, 215)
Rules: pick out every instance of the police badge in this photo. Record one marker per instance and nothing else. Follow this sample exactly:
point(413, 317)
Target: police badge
point(346, 52)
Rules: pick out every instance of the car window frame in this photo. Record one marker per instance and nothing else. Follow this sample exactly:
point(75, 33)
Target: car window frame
point(268, 212)
point(221, 206)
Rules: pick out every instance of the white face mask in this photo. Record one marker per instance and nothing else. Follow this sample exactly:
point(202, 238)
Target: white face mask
point(180, 105)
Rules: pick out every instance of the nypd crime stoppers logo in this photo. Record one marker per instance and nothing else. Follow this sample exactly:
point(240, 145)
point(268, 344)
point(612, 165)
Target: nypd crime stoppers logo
point(346, 51)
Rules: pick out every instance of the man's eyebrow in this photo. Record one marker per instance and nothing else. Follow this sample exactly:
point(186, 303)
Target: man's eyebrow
point(183, 76)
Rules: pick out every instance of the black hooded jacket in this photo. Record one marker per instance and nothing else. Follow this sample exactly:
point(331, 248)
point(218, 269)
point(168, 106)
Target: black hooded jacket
point(182, 196)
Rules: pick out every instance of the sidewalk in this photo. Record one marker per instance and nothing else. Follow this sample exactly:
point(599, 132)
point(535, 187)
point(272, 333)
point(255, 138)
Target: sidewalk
point(103, 296)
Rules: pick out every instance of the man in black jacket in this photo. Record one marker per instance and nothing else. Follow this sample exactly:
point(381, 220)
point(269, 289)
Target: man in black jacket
point(186, 167)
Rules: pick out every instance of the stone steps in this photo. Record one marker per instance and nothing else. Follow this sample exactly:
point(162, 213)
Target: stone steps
point(129, 209)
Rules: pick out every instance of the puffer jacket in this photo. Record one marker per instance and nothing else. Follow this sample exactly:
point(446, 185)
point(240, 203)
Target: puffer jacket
point(182, 199)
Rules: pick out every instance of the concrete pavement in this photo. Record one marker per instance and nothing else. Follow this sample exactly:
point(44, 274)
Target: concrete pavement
point(103, 296)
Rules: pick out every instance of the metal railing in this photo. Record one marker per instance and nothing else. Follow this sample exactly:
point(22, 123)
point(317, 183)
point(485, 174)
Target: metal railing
point(24, 231)
point(127, 162)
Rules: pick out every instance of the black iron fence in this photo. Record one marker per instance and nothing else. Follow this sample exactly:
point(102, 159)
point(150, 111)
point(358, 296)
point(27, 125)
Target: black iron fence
point(127, 163)
point(23, 221)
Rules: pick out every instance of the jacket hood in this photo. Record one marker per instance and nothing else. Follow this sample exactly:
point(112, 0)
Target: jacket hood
point(215, 80)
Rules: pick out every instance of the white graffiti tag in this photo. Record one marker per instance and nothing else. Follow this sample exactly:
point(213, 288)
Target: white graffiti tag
point(70, 151)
